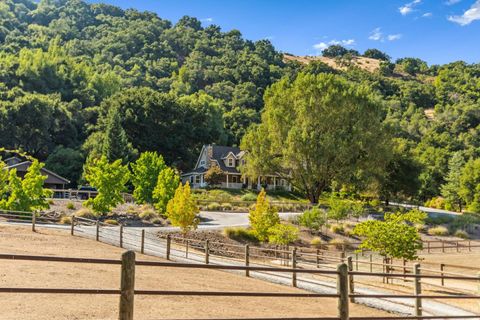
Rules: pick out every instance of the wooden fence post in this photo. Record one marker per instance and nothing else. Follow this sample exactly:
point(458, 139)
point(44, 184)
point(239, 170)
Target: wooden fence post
point(127, 286)
point(342, 291)
point(417, 291)
point(97, 232)
point(458, 249)
point(442, 267)
point(356, 261)
point(469, 246)
point(371, 263)
point(169, 244)
point(247, 259)
point(428, 246)
point(294, 265)
point(318, 258)
point(443, 246)
point(186, 248)
point(207, 252)
point(34, 220)
point(350, 277)
point(404, 269)
point(142, 244)
point(121, 236)
point(72, 227)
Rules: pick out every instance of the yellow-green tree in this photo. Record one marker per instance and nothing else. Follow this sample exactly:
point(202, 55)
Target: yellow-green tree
point(263, 217)
point(167, 183)
point(182, 210)
point(109, 179)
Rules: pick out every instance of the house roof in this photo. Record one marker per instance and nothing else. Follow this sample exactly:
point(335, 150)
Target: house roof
point(221, 152)
point(52, 177)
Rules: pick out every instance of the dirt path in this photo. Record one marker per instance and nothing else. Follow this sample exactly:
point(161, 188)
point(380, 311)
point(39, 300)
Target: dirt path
point(20, 240)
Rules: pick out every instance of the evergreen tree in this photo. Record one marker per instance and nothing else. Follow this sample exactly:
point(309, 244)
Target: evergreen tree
point(450, 190)
point(115, 142)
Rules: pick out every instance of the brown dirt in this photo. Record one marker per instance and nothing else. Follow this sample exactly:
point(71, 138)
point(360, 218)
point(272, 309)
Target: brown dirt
point(368, 64)
point(21, 240)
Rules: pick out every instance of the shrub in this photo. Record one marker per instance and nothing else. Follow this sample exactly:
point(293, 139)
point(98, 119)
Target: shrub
point(85, 213)
point(70, 206)
point(282, 234)
point(220, 196)
point(66, 220)
point(214, 206)
point(132, 210)
point(439, 220)
point(51, 202)
point(437, 203)
point(316, 242)
point(313, 219)
point(226, 206)
point(337, 228)
point(420, 227)
point(339, 243)
point(263, 217)
point(461, 234)
point(156, 220)
point(147, 213)
point(111, 221)
point(438, 231)
point(239, 234)
point(249, 197)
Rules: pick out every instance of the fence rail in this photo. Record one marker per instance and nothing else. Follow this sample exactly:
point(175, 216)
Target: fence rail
point(301, 262)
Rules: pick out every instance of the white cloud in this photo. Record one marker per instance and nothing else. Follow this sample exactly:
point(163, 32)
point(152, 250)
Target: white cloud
point(408, 7)
point(393, 37)
point(468, 16)
point(452, 2)
point(324, 45)
point(207, 20)
point(376, 34)
point(427, 15)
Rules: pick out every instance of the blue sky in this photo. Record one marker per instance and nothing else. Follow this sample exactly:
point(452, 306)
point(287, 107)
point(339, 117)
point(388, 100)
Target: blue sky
point(438, 31)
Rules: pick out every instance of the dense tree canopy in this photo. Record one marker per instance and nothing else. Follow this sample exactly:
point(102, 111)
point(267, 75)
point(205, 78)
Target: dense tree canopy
point(74, 76)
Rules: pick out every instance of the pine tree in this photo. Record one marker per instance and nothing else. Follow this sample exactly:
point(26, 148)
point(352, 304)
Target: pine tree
point(115, 142)
point(450, 190)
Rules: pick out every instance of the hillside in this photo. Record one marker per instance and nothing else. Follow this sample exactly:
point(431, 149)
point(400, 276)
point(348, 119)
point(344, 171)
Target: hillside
point(367, 64)
point(75, 73)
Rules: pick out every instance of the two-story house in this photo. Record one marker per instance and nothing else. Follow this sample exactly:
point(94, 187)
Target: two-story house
point(229, 159)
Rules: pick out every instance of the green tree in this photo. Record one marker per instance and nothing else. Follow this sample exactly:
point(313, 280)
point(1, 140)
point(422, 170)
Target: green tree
point(109, 179)
point(451, 188)
point(317, 130)
point(470, 185)
point(282, 234)
point(115, 144)
point(334, 51)
point(66, 162)
point(313, 219)
point(395, 237)
point(263, 217)
point(214, 176)
point(338, 209)
point(182, 210)
point(376, 54)
point(27, 194)
point(167, 183)
point(145, 172)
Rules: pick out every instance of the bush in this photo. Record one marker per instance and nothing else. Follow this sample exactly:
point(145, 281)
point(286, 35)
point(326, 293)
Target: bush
point(220, 196)
point(239, 234)
point(339, 243)
point(147, 213)
point(111, 221)
point(249, 197)
point(316, 242)
point(70, 206)
point(420, 227)
point(85, 213)
point(337, 228)
point(51, 202)
point(461, 234)
point(156, 220)
point(313, 219)
point(437, 203)
point(439, 220)
point(66, 220)
point(226, 206)
point(214, 206)
point(438, 231)
point(282, 234)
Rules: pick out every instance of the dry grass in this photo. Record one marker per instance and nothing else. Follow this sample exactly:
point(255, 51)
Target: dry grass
point(21, 240)
point(368, 64)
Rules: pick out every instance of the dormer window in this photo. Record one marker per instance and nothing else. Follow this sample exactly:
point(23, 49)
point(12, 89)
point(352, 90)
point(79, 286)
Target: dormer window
point(202, 163)
point(231, 162)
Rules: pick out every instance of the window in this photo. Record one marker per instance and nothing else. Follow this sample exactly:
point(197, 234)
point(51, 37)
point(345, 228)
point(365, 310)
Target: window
point(202, 163)
point(231, 162)
point(197, 179)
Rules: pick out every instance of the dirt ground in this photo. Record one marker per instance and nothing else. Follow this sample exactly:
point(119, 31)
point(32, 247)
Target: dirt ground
point(20, 240)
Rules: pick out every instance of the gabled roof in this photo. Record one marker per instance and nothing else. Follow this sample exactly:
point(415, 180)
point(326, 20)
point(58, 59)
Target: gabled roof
point(23, 166)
